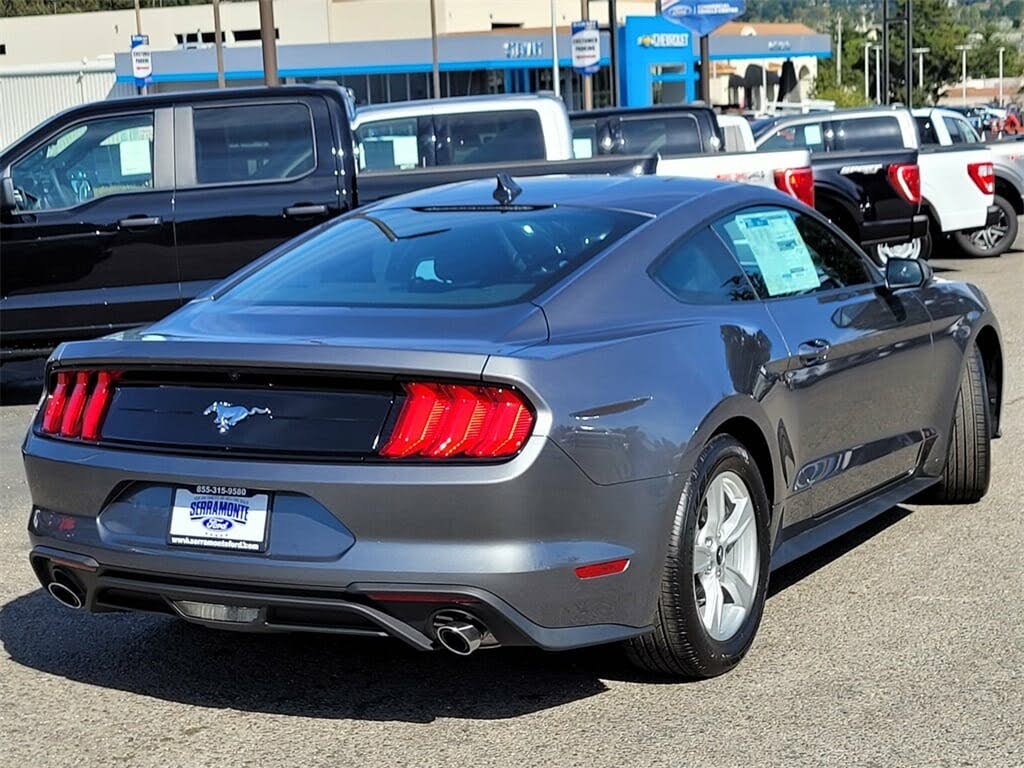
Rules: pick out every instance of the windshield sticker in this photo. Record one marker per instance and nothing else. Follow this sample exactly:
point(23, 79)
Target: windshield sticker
point(780, 252)
point(812, 135)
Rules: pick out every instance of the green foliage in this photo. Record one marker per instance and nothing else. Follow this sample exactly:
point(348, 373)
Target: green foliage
point(41, 7)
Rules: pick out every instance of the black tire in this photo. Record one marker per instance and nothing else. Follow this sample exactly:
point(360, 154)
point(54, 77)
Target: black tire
point(679, 646)
point(971, 244)
point(965, 477)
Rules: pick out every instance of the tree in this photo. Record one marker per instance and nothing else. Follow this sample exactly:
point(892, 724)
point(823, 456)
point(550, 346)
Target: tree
point(935, 28)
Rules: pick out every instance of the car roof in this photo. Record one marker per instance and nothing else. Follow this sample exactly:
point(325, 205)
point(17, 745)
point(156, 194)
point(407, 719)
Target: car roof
point(482, 103)
point(650, 195)
point(657, 109)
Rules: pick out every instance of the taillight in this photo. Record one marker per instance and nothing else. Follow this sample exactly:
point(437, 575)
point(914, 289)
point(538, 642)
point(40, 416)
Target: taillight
point(440, 421)
point(78, 403)
point(798, 182)
point(984, 176)
point(905, 178)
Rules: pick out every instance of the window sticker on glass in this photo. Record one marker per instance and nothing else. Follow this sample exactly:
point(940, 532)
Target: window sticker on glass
point(812, 135)
point(780, 252)
point(582, 148)
point(135, 157)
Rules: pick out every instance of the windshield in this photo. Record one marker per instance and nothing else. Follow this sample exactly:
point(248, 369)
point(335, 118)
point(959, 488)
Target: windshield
point(442, 257)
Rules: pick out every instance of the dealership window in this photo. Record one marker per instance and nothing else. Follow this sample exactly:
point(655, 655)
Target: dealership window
point(87, 161)
point(787, 253)
point(252, 35)
point(264, 142)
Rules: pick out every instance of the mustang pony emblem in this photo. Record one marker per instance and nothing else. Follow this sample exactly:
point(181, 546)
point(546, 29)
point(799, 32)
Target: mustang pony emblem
point(227, 415)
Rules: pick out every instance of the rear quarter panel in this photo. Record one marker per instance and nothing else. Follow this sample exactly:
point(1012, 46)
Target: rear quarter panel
point(954, 199)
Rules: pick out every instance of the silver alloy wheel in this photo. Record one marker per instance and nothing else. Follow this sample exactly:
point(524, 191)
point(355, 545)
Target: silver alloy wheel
point(988, 238)
point(725, 556)
point(911, 250)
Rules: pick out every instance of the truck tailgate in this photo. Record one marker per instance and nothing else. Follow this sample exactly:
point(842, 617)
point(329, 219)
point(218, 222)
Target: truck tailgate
point(956, 201)
point(746, 167)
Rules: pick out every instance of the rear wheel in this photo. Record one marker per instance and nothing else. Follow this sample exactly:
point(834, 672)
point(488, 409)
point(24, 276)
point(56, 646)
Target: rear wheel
point(918, 248)
point(715, 576)
point(965, 477)
point(993, 240)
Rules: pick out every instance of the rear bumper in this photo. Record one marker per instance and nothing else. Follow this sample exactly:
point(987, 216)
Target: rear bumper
point(509, 536)
point(894, 231)
point(360, 610)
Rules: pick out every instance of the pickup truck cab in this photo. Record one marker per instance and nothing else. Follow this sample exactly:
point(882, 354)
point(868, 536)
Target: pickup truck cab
point(955, 181)
point(948, 128)
point(688, 141)
point(115, 213)
point(461, 131)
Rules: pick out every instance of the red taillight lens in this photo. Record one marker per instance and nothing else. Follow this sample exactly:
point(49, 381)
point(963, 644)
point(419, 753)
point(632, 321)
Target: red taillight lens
point(55, 403)
point(440, 421)
point(905, 178)
point(798, 182)
point(71, 423)
point(78, 403)
point(96, 406)
point(984, 176)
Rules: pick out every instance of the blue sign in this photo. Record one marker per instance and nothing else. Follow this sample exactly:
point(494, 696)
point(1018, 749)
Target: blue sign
point(586, 46)
point(702, 18)
point(142, 60)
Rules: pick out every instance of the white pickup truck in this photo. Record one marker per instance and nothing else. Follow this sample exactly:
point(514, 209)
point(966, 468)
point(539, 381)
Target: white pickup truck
point(688, 140)
point(947, 128)
point(957, 182)
point(525, 132)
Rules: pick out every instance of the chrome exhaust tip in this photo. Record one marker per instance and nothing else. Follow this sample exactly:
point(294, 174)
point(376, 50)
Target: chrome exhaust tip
point(459, 637)
point(460, 633)
point(65, 590)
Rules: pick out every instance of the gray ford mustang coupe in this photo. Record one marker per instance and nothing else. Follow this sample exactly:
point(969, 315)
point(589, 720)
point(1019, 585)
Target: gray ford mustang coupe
point(579, 411)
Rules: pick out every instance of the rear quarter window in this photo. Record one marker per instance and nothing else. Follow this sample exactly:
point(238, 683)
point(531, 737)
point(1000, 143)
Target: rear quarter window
point(867, 133)
point(254, 142)
point(489, 137)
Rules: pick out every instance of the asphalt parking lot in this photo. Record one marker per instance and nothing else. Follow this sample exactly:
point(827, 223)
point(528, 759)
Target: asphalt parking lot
point(901, 644)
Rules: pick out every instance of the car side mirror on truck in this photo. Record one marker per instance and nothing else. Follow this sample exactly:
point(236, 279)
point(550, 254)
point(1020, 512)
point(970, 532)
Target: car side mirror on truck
point(8, 201)
point(906, 273)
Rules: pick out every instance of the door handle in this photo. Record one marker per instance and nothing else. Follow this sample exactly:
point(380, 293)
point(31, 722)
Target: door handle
point(134, 222)
point(296, 211)
point(814, 351)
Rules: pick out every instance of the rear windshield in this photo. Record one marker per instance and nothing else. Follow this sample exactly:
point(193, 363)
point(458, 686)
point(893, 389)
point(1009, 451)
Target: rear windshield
point(451, 258)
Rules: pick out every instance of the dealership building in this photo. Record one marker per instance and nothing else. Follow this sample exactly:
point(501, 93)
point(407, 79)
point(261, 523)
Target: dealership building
point(379, 49)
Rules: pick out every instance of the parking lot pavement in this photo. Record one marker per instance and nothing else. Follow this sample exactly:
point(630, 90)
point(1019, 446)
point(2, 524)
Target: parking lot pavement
point(901, 644)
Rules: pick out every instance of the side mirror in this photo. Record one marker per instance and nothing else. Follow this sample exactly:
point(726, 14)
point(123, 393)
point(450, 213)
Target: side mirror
point(906, 273)
point(8, 200)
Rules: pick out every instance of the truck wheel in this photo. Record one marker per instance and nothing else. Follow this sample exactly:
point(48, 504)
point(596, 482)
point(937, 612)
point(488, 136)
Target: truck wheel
point(994, 240)
point(965, 477)
point(918, 248)
point(715, 577)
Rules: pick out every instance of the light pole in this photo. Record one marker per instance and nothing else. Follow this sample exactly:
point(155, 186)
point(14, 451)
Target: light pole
point(920, 64)
point(878, 73)
point(435, 64)
point(218, 42)
point(556, 77)
point(268, 42)
point(867, 74)
point(963, 71)
point(839, 49)
point(1001, 49)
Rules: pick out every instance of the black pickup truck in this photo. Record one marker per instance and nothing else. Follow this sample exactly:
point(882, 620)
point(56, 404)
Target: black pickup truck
point(117, 212)
point(669, 130)
point(875, 198)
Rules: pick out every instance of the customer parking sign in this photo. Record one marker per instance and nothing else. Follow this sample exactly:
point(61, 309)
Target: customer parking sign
point(142, 60)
